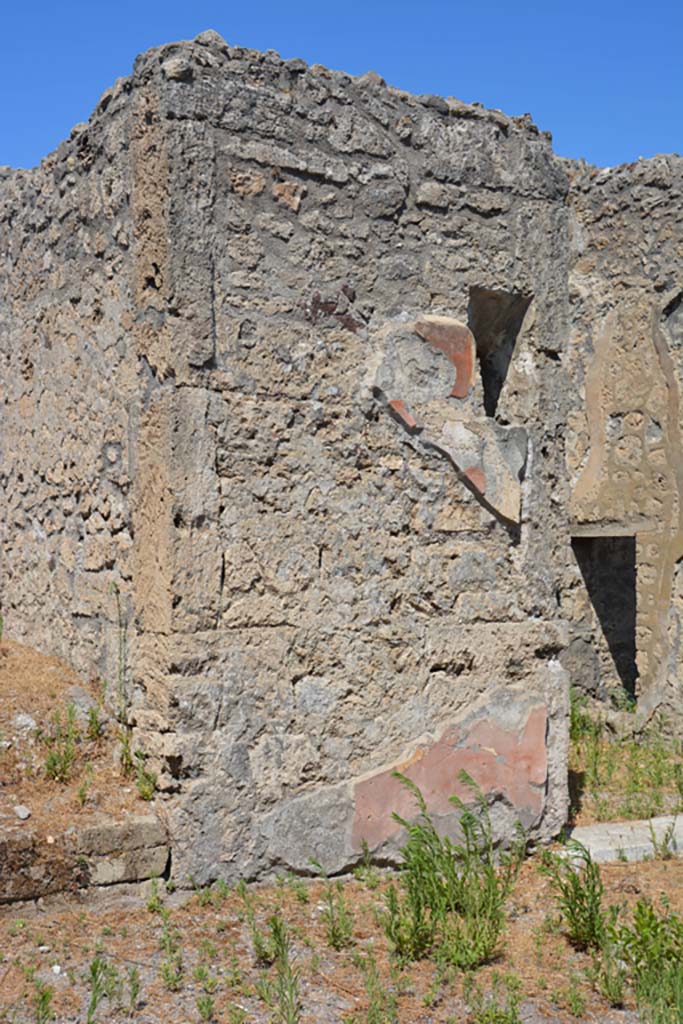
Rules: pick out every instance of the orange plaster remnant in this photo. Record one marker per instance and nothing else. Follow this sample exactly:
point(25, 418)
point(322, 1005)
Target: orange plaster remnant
point(476, 477)
point(457, 343)
point(402, 411)
point(508, 762)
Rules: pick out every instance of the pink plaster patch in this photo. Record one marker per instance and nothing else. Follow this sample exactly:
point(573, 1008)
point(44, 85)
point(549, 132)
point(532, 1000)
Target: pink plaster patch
point(457, 343)
point(509, 762)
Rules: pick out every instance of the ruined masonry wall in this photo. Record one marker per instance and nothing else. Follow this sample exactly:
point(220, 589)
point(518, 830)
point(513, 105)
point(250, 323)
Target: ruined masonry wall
point(66, 460)
point(624, 432)
point(333, 558)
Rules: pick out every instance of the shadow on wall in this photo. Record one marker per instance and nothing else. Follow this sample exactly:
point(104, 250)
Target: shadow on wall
point(495, 319)
point(608, 567)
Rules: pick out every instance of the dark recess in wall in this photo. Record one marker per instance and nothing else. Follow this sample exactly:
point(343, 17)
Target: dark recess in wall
point(495, 318)
point(608, 567)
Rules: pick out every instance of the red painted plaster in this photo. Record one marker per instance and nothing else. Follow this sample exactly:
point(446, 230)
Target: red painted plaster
point(456, 342)
point(402, 411)
point(512, 763)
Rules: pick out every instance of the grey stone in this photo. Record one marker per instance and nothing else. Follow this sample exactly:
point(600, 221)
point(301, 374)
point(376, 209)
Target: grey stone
point(437, 103)
point(24, 723)
point(178, 69)
point(209, 37)
point(22, 812)
point(631, 840)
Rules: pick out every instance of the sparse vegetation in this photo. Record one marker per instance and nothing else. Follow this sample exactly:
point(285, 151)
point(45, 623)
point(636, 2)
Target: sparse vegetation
point(382, 1002)
point(61, 740)
point(282, 993)
point(612, 779)
point(579, 891)
point(498, 1006)
point(145, 780)
point(42, 1001)
point(449, 902)
point(336, 914)
point(385, 947)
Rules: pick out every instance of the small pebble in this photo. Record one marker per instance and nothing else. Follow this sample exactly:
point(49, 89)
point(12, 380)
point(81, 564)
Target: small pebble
point(22, 812)
point(22, 721)
point(56, 969)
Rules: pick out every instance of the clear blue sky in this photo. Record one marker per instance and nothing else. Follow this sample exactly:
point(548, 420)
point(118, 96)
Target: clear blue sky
point(605, 77)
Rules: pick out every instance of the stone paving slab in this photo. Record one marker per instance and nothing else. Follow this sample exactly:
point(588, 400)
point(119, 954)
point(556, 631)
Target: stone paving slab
point(631, 840)
point(105, 853)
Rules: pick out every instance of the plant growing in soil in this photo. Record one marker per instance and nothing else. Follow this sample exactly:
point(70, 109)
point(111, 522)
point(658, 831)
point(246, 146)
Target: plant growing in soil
point(364, 871)
point(205, 1007)
point(652, 949)
point(578, 887)
point(134, 989)
point(145, 780)
point(42, 1000)
point(382, 1003)
point(84, 788)
point(450, 899)
point(500, 1005)
point(61, 743)
point(155, 903)
point(104, 983)
point(336, 914)
point(171, 971)
point(95, 726)
point(282, 994)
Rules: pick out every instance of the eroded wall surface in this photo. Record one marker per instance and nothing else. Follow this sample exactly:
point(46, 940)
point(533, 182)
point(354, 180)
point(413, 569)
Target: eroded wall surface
point(339, 395)
point(67, 385)
point(624, 432)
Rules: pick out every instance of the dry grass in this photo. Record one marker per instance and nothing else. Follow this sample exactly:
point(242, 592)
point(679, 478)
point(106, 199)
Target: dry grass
point(212, 931)
point(40, 687)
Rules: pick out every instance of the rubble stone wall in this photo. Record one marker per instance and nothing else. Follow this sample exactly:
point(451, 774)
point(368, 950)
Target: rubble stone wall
point(68, 380)
point(291, 359)
point(624, 433)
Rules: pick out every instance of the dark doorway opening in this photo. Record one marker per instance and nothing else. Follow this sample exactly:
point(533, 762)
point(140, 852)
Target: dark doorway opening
point(495, 318)
point(608, 567)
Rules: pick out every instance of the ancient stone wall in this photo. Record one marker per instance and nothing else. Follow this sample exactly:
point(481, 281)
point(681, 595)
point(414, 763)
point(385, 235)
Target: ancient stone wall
point(68, 375)
point(624, 432)
point(302, 358)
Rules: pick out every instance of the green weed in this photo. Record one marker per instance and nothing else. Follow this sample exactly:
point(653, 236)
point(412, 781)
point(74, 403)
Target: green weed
point(134, 989)
point(282, 993)
point(84, 787)
point(500, 1005)
point(450, 899)
point(171, 971)
point(145, 780)
point(95, 726)
point(154, 902)
point(42, 1001)
point(365, 872)
point(336, 914)
point(578, 892)
point(205, 1007)
point(105, 983)
point(382, 1003)
point(61, 742)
